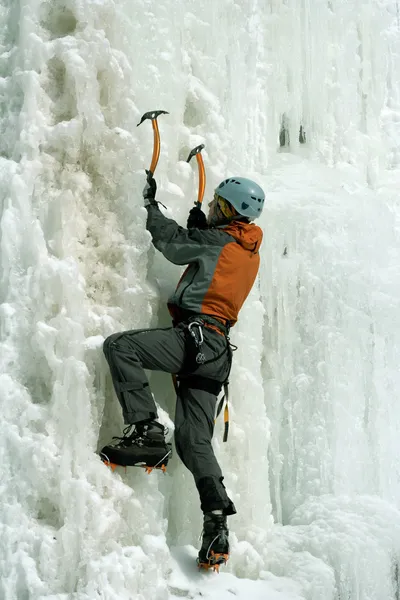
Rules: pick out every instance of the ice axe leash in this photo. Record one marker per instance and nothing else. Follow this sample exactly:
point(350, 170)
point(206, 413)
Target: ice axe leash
point(153, 115)
point(202, 173)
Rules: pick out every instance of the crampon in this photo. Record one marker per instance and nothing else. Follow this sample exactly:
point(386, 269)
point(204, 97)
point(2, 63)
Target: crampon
point(214, 550)
point(214, 562)
point(160, 466)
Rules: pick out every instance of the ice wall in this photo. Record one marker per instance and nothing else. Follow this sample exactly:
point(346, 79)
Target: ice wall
point(314, 419)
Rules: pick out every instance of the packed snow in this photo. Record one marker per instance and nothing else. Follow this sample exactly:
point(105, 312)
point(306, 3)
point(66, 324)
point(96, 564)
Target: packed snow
point(303, 97)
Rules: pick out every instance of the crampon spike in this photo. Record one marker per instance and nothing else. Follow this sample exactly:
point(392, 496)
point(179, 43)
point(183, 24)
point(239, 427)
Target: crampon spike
point(112, 466)
point(160, 465)
point(148, 470)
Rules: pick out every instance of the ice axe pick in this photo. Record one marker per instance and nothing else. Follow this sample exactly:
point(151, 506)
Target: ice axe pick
point(153, 115)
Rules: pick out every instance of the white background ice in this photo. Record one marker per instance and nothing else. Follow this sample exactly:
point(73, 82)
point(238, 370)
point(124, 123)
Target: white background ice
point(312, 462)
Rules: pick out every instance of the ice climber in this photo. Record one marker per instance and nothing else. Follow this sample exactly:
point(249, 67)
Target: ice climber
point(222, 257)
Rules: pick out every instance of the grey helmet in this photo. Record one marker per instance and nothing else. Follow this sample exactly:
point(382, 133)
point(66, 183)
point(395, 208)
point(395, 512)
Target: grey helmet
point(246, 196)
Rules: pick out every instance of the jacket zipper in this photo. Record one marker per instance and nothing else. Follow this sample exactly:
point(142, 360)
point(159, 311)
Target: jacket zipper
point(186, 286)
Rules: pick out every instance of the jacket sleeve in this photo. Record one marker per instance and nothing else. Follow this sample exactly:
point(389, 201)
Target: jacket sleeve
point(179, 245)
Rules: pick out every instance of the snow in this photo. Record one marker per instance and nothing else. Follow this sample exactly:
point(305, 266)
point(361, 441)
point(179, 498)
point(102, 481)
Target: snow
point(312, 458)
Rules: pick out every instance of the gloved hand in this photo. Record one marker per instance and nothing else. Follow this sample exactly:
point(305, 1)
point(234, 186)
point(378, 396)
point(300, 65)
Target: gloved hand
point(149, 190)
point(197, 219)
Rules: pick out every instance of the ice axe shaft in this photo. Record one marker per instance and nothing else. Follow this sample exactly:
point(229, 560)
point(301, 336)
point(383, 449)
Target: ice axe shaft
point(202, 173)
point(153, 115)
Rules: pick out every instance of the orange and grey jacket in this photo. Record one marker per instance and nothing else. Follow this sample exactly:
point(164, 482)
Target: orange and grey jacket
point(222, 264)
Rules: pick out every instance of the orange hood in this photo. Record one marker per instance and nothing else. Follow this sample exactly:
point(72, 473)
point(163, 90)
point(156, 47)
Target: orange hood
point(248, 235)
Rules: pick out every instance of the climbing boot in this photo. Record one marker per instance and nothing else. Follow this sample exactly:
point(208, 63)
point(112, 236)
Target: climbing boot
point(214, 550)
point(141, 445)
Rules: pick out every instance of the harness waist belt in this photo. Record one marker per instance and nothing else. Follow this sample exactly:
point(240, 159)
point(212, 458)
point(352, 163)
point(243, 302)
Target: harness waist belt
point(185, 315)
point(215, 323)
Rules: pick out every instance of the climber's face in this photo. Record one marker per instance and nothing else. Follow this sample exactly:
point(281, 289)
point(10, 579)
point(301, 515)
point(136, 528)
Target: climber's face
point(214, 214)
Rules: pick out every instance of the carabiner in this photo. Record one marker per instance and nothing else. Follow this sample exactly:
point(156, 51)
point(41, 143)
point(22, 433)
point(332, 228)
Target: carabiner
point(200, 332)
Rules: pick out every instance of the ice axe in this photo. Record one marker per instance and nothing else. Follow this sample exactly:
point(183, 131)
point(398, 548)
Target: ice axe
point(202, 173)
point(153, 115)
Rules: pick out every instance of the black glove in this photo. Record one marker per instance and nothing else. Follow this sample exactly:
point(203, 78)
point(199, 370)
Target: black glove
point(149, 190)
point(197, 219)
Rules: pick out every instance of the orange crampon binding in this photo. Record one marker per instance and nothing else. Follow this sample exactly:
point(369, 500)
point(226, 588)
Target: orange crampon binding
point(214, 562)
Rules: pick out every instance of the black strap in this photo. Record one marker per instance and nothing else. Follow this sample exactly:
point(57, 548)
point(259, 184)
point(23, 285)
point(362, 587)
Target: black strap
point(197, 382)
point(128, 386)
point(210, 320)
point(186, 316)
point(213, 387)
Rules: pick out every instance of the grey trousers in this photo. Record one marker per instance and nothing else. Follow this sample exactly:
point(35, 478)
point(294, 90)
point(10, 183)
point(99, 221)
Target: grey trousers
point(130, 352)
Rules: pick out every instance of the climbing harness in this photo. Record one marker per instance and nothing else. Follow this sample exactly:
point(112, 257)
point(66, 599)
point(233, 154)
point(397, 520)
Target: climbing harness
point(195, 357)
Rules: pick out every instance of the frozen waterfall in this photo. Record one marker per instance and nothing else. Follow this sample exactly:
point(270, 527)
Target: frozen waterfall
point(304, 97)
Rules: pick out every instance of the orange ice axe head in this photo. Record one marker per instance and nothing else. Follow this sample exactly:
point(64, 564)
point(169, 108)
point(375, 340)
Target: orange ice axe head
point(153, 114)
